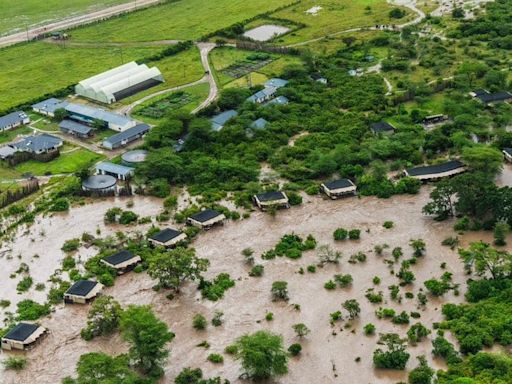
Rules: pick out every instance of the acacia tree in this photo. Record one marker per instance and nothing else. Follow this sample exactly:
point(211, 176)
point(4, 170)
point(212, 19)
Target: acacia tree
point(352, 306)
point(395, 357)
point(102, 368)
point(484, 259)
point(147, 336)
point(262, 355)
point(442, 201)
point(103, 317)
point(173, 268)
point(301, 329)
point(484, 159)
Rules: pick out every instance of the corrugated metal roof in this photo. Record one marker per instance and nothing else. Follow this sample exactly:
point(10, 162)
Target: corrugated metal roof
point(276, 83)
point(12, 118)
point(75, 127)
point(21, 332)
point(221, 119)
point(81, 288)
point(98, 114)
point(117, 169)
point(259, 123)
point(50, 105)
point(139, 129)
point(38, 143)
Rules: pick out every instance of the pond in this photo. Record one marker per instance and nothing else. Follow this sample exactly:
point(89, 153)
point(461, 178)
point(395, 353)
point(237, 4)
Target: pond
point(266, 32)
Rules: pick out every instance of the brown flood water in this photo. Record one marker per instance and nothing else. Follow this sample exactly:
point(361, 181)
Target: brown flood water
point(328, 354)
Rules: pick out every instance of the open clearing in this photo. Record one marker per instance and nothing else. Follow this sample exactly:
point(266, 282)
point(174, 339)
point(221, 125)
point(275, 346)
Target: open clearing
point(16, 14)
point(181, 20)
point(336, 16)
point(324, 348)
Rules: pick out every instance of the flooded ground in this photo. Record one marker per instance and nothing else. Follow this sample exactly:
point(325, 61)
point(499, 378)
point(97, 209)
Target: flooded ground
point(328, 353)
point(39, 246)
point(266, 32)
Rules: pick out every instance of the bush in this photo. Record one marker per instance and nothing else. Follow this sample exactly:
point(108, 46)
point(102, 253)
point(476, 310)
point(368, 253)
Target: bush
point(369, 329)
point(402, 318)
point(330, 285)
point(388, 224)
point(30, 310)
point(343, 280)
point(340, 234)
point(217, 318)
point(311, 268)
point(354, 234)
point(269, 316)
point(295, 349)
point(257, 270)
point(417, 333)
point(128, 217)
point(60, 204)
point(279, 290)
point(24, 284)
point(231, 349)
point(15, 363)
point(294, 198)
point(71, 245)
point(215, 290)
point(199, 322)
point(395, 357)
point(215, 358)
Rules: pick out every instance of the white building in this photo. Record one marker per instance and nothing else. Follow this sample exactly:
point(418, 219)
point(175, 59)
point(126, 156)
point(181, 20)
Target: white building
point(119, 83)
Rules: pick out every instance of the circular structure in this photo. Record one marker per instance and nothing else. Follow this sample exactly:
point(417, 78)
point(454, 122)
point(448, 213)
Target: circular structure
point(99, 183)
point(134, 157)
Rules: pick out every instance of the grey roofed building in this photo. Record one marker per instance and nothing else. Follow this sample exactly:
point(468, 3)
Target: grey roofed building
point(205, 215)
point(38, 143)
point(74, 128)
point(276, 83)
point(119, 257)
point(81, 288)
point(263, 95)
point(280, 100)
point(49, 106)
point(13, 119)
point(166, 235)
point(21, 332)
point(434, 171)
point(218, 121)
point(271, 196)
point(89, 114)
point(479, 92)
point(496, 97)
point(337, 184)
point(259, 123)
point(6, 151)
point(125, 137)
point(382, 127)
point(122, 172)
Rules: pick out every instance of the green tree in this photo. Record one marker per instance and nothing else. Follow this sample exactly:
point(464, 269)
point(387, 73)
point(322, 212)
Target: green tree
point(262, 355)
point(100, 368)
point(486, 260)
point(147, 336)
point(442, 201)
point(353, 308)
point(173, 268)
point(501, 229)
point(395, 357)
point(103, 317)
point(279, 290)
point(484, 159)
point(60, 114)
point(422, 374)
point(301, 329)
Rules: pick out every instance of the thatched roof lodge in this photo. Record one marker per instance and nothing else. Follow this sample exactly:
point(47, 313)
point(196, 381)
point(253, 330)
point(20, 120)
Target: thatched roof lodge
point(23, 336)
point(206, 218)
point(436, 172)
point(266, 200)
point(122, 261)
point(337, 188)
point(82, 292)
point(167, 238)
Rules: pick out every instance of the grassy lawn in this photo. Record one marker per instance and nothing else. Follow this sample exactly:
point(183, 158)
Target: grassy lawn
point(180, 69)
point(66, 163)
point(183, 20)
point(7, 173)
point(31, 70)
point(254, 77)
point(196, 95)
point(8, 136)
point(16, 14)
point(45, 124)
point(335, 16)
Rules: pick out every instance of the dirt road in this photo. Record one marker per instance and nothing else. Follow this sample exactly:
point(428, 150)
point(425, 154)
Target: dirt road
point(75, 21)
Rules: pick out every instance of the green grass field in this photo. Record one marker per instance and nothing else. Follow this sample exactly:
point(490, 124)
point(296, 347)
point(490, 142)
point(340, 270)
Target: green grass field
point(66, 163)
point(31, 70)
point(8, 136)
point(16, 14)
point(335, 16)
point(182, 20)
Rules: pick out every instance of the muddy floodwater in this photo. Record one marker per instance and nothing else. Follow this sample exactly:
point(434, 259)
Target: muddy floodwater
point(329, 353)
point(266, 32)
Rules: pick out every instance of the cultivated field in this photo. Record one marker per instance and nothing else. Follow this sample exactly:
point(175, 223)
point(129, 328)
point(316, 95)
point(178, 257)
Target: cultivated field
point(16, 14)
point(182, 20)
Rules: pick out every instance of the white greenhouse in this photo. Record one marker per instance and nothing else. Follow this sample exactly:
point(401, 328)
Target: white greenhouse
point(119, 83)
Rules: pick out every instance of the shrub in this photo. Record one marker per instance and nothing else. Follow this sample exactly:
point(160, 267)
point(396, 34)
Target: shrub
point(382, 313)
point(60, 204)
point(15, 363)
point(68, 263)
point(374, 297)
point(279, 291)
point(30, 310)
point(269, 316)
point(417, 333)
point(354, 234)
point(395, 356)
point(257, 270)
point(215, 290)
point(359, 257)
point(24, 284)
point(343, 280)
point(340, 234)
point(376, 280)
point(199, 322)
point(217, 318)
point(295, 349)
point(335, 316)
point(231, 349)
point(369, 329)
point(5, 303)
point(294, 198)
point(330, 285)
point(388, 224)
point(301, 329)
point(128, 217)
point(71, 245)
point(422, 374)
point(215, 358)
point(311, 268)
point(402, 318)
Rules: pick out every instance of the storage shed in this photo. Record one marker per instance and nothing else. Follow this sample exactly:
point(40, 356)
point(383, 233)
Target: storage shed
point(167, 238)
point(206, 219)
point(23, 336)
point(338, 188)
point(266, 200)
point(82, 292)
